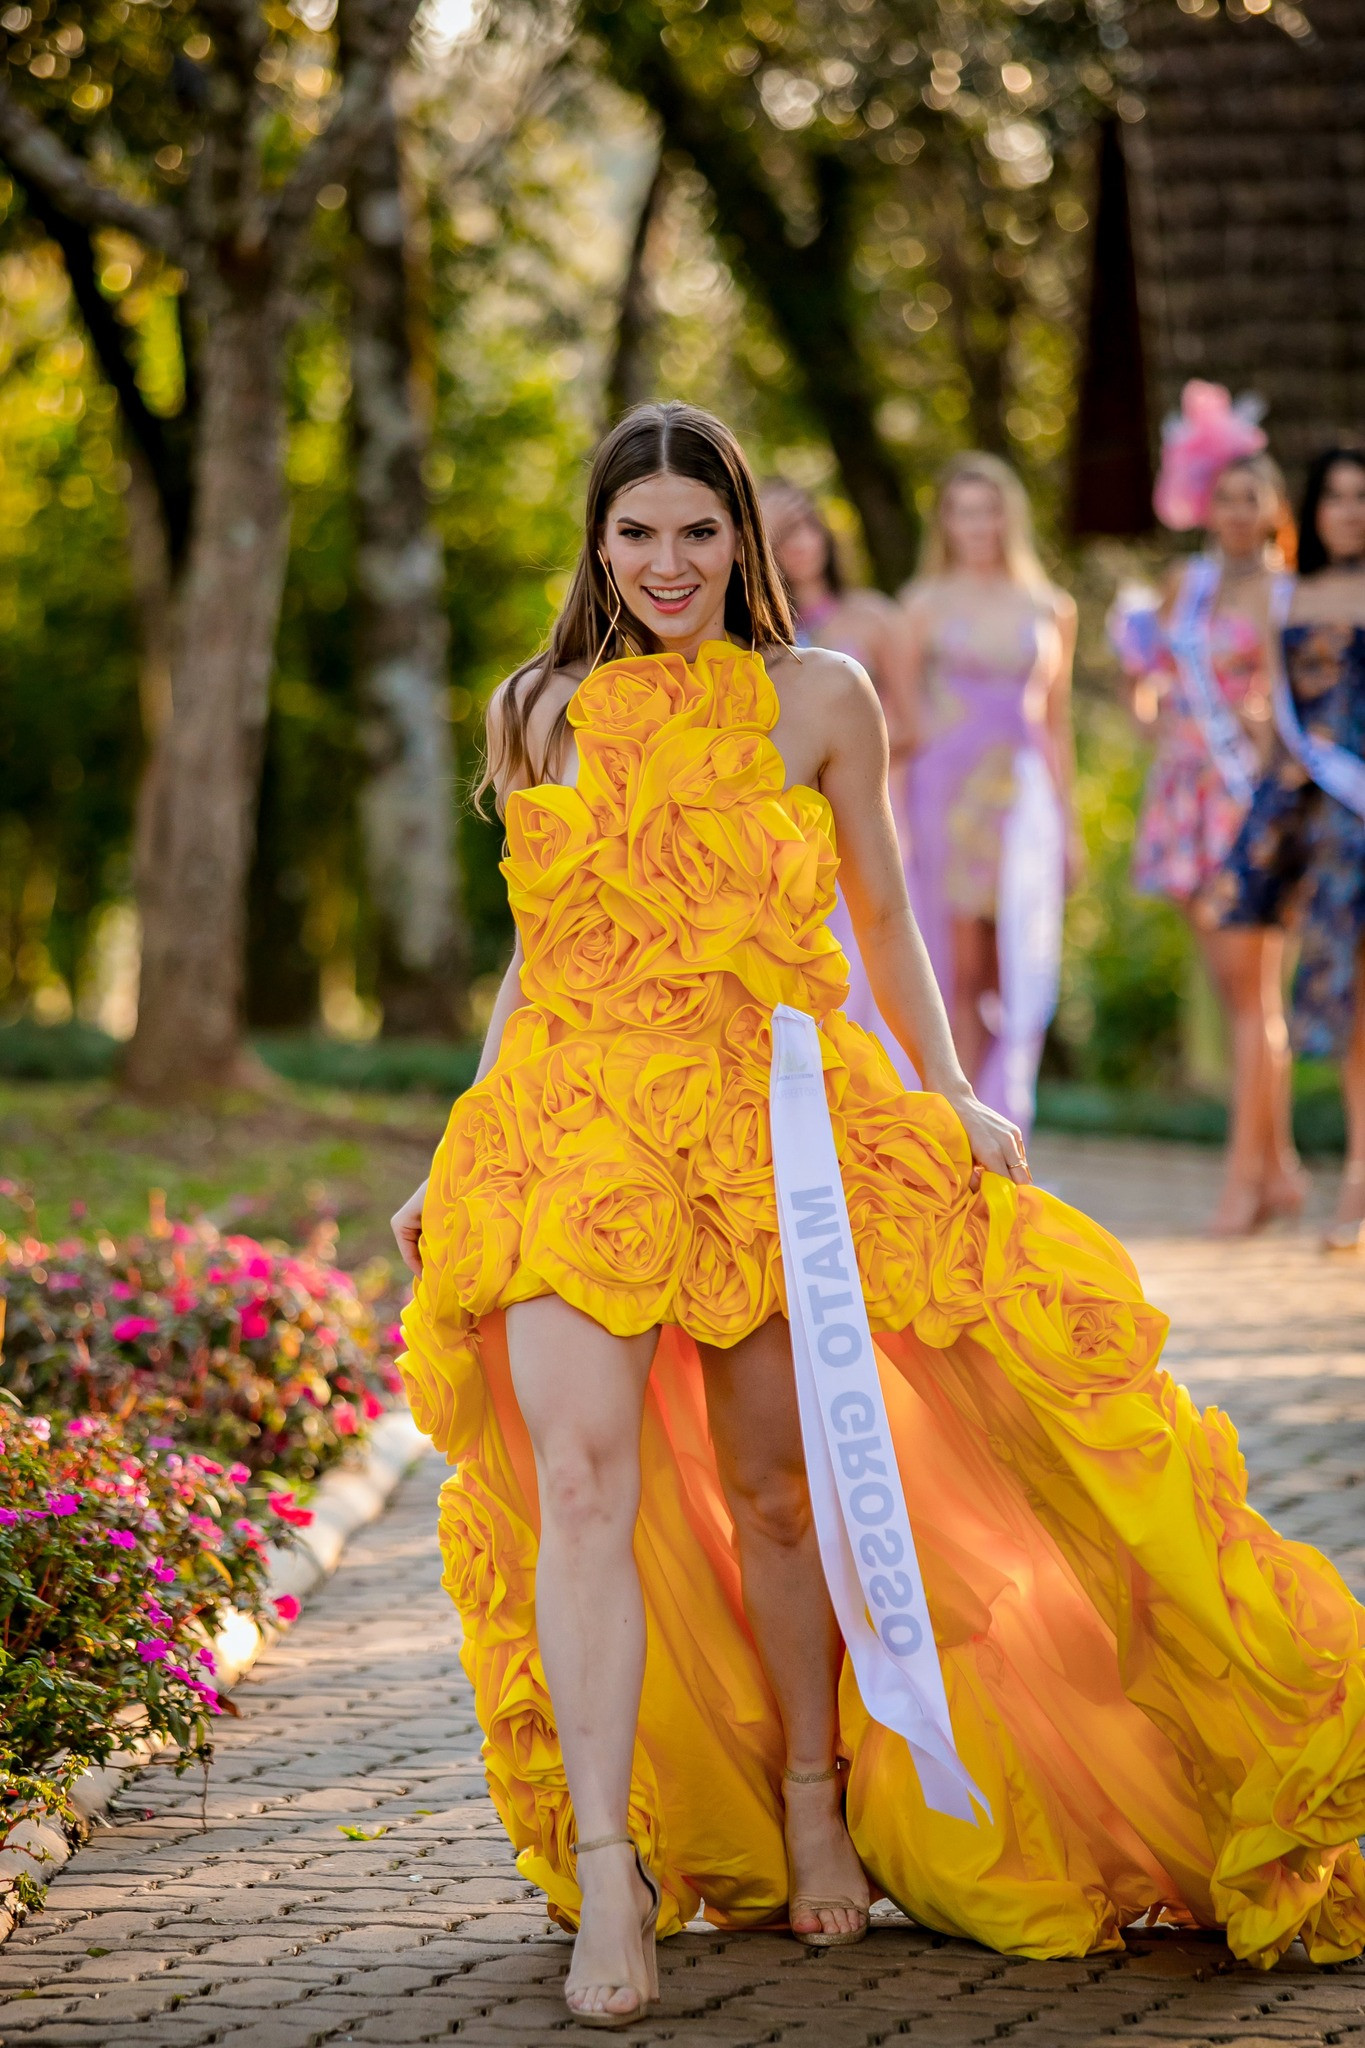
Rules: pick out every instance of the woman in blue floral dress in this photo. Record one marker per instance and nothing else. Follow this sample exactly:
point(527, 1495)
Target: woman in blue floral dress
point(1300, 855)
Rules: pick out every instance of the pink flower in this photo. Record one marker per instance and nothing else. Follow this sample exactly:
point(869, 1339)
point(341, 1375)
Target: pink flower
point(63, 1283)
point(39, 1426)
point(122, 1291)
point(288, 1509)
point(254, 1326)
point(206, 1658)
point(205, 1465)
point(181, 1234)
point(207, 1696)
point(287, 1607)
point(374, 1407)
point(8, 1518)
point(155, 1612)
point(208, 1531)
point(393, 1335)
point(344, 1418)
point(82, 1425)
point(161, 1443)
point(258, 1268)
point(64, 1503)
point(163, 1573)
point(122, 1539)
point(182, 1300)
point(392, 1378)
point(239, 1474)
point(217, 1275)
point(154, 1650)
point(249, 1533)
point(129, 1328)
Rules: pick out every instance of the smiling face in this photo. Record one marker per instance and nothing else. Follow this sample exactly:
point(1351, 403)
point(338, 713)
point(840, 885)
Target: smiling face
point(671, 545)
point(1243, 512)
point(972, 516)
point(1341, 512)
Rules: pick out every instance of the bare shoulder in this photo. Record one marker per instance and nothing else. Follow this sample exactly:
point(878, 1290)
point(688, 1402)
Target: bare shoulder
point(828, 694)
point(530, 702)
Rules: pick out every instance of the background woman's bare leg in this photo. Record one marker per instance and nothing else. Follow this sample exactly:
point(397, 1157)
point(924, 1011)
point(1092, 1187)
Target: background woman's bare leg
point(1243, 962)
point(756, 1430)
point(976, 977)
point(1350, 1208)
point(581, 1392)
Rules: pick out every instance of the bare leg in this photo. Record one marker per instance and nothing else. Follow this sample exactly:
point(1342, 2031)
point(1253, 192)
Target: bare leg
point(1350, 1210)
point(1236, 959)
point(581, 1392)
point(1287, 1184)
point(756, 1429)
point(976, 976)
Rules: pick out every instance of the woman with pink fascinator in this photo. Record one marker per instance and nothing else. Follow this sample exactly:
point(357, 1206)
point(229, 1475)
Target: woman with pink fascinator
point(1200, 662)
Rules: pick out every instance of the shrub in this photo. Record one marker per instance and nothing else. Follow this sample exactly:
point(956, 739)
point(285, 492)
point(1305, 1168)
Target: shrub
point(115, 1569)
point(247, 1352)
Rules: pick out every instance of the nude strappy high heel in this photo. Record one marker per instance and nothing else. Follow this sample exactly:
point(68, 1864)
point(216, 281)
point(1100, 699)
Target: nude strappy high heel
point(648, 1932)
point(801, 1904)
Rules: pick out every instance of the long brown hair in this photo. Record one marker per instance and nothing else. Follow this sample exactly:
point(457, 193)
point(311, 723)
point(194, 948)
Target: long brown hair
point(670, 439)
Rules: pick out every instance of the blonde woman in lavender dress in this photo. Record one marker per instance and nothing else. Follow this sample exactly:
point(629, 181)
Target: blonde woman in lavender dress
point(831, 612)
point(988, 792)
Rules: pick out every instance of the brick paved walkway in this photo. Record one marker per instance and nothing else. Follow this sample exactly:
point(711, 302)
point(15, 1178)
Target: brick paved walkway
point(275, 1930)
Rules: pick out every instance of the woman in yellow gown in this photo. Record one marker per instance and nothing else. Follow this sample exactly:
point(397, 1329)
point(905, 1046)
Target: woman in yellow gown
point(1159, 1701)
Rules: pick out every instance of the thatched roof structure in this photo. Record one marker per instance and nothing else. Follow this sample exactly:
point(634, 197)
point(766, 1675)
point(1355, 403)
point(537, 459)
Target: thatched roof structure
point(1239, 209)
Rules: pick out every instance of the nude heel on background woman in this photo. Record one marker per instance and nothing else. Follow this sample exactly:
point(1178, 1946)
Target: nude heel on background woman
point(801, 1904)
point(648, 1937)
point(1345, 1237)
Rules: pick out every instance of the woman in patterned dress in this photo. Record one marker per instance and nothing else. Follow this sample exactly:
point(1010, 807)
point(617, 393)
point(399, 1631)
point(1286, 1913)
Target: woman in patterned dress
point(1212, 635)
point(1300, 854)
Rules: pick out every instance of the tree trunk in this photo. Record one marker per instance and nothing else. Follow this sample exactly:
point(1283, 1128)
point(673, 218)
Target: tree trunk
point(630, 379)
point(195, 855)
point(408, 802)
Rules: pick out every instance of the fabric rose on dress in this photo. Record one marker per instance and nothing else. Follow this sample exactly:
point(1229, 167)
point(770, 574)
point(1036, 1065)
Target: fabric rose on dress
point(608, 771)
point(665, 1087)
point(725, 1290)
point(444, 1386)
point(606, 1230)
point(733, 1162)
point(741, 689)
point(683, 1003)
point(597, 937)
point(892, 1237)
point(633, 698)
point(555, 1096)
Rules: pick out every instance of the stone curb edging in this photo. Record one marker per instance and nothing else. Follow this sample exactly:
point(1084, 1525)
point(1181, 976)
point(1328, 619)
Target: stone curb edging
point(345, 1500)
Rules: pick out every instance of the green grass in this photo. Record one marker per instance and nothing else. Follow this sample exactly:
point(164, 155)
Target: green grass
point(271, 1167)
point(388, 1066)
point(1081, 1106)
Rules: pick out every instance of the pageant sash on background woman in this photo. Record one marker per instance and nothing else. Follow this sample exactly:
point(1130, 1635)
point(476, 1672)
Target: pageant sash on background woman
point(1300, 855)
point(970, 1539)
point(873, 629)
point(1200, 660)
point(988, 794)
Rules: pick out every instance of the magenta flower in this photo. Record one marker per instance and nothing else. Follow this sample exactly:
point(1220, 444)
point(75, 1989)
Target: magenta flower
point(161, 1443)
point(287, 1607)
point(82, 1425)
point(374, 1407)
point(239, 1474)
point(63, 1283)
point(155, 1612)
point(248, 1532)
point(393, 1335)
point(181, 1234)
point(122, 1539)
point(344, 1418)
point(8, 1518)
point(182, 1300)
point(64, 1503)
point(206, 1658)
point(205, 1465)
point(254, 1326)
point(288, 1509)
point(217, 1275)
point(208, 1532)
point(163, 1573)
point(152, 1651)
point(129, 1328)
point(122, 1290)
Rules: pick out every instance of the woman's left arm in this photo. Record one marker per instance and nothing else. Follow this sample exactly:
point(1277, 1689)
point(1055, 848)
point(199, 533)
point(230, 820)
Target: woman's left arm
point(1061, 727)
point(853, 779)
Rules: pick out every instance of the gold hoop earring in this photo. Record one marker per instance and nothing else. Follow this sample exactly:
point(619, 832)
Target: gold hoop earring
point(615, 618)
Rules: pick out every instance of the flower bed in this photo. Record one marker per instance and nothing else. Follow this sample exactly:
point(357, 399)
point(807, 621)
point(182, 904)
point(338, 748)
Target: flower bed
point(246, 1352)
point(115, 1570)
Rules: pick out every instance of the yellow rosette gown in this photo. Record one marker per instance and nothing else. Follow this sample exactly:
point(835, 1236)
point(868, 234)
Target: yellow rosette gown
point(1161, 1698)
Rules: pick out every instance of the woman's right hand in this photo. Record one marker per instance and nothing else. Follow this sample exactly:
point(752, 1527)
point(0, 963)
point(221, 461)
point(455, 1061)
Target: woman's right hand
point(407, 1229)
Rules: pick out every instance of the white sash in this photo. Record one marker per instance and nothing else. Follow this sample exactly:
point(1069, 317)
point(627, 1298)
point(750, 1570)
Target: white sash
point(1229, 747)
point(1334, 769)
point(866, 1547)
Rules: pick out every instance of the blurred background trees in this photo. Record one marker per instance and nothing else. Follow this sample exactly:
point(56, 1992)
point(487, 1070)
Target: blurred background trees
point(860, 229)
